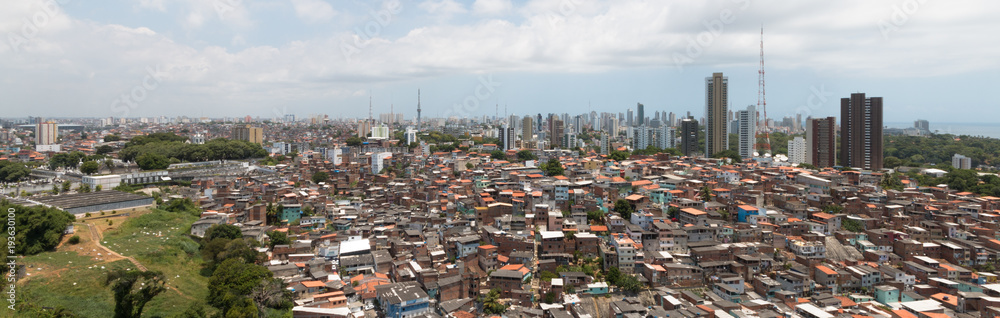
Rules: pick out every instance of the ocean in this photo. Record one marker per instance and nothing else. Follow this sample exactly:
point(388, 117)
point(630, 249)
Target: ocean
point(972, 129)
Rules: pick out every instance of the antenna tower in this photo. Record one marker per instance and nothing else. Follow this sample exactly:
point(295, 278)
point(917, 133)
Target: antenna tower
point(761, 99)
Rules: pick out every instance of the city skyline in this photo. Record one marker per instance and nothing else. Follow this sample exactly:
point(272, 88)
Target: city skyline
point(193, 59)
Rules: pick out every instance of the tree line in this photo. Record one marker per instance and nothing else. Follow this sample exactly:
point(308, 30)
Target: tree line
point(159, 151)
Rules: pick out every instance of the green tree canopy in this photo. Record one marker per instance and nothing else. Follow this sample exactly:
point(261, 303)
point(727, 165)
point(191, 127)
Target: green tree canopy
point(624, 209)
point(525, 155)
point(320, 176)
point(552, 167)
point(39, 228)
point(90, 167)
point(133, 289)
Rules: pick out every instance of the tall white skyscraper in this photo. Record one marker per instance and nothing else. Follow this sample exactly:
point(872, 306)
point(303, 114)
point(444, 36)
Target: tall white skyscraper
point(797, 150)
point(747, 130)
point(666, 138)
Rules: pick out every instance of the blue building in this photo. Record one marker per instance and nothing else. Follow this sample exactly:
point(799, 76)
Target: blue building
point(291, 213)
point(403, 300)
point(743, 211)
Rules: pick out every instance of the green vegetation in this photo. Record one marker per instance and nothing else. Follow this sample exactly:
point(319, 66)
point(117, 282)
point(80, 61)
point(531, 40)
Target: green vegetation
point(624, 209)
point(75, 239)
point(278, 238)
point(728, 153)
point(13, 171)
point(852, 225)
point(39, 228)
point(525, 155)
point(89, 167)
point(619, 155)
point(320, 176)
point(706, 194)
point(652, 150)
point(626, 283)
point(961, 180)
point(133, 289)
point(595, 217)
point(936, 149)
point(110, 138)
point(498, 155)
point(184, 205)
point(354, 141)
point(156, 151)
point(491, 303)
point(552, 167)
point(103, 149)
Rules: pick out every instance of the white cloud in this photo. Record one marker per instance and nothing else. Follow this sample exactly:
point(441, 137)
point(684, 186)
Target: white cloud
point(491, 7)
point(313, 11)
point(829, 38)
point(445, 8)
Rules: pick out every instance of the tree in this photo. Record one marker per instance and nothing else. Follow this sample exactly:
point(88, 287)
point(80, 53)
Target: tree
point(98, 188)
point(729, 153)
point(525, 155)
point(552, 167)
point(110, 138)
point(270, 293)
point(619, 155)
point(596, 216)
point(110, 164)
point(833, 209)
point(226, 231)
point(182, 205)
point(13, 171)
point(469, 165)
point(706, 194)
point(103, 149)
point(231, 284)
point(278, 238)
point(891, 181)
point(852, 225)
point(152, 161)
point(498, 155)
point(624, 209)
point(133, 289)
point(83, 188)
point(354, 141)
point(891, 162)
point(491, 303)
point(320, 176)
point(66, 186)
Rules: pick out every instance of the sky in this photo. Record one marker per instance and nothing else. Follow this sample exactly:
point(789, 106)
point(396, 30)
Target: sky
point(934, 60)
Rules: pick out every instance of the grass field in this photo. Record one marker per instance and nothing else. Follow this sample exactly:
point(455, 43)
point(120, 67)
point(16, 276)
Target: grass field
point(157, 240)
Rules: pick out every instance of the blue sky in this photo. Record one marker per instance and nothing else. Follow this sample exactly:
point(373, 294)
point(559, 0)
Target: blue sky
point(130, 58)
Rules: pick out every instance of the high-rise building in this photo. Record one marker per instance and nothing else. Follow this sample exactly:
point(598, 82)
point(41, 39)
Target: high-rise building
point(629, 118)
point(507, 137)
point(798, 123)
point(46, 133)
point(640, 115)
point(672, 120)
point(797, 150)
point(748, 130)
point(605, 143)
point(861, 132)
point(289, 118)
point(556, 133)
point(380, 132)
point(642, 137)
point(667, 137)
point(689, 136)
point(418, 109)
point(569, 140)
point(821, 142)
point(249, 133)
point(922, 125)
point(410, 134)
point(716, 108)
point(527, 129)
point(961, 162)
